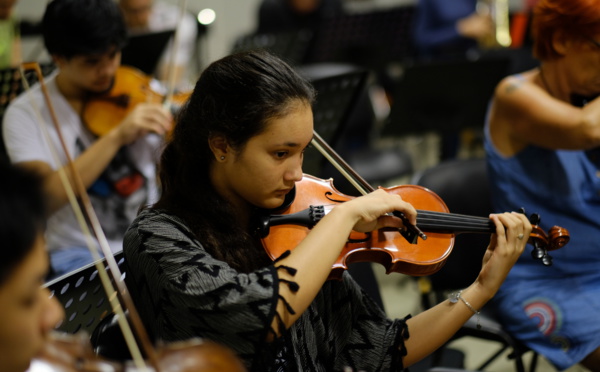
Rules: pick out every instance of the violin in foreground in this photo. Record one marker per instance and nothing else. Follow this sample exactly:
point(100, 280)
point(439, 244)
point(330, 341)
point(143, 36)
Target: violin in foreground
point(73, 353)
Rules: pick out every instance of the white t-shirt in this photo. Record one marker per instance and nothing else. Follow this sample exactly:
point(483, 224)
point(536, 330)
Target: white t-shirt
point(26, 141)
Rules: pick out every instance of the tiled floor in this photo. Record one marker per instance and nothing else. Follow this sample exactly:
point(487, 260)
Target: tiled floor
point(400, 297)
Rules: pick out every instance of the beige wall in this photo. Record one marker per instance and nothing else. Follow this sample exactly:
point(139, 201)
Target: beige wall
point(234, 18)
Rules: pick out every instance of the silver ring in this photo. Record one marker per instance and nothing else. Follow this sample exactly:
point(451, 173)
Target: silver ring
point(520, 236)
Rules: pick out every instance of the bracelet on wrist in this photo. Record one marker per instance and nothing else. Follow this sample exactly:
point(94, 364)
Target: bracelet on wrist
point(455, 296)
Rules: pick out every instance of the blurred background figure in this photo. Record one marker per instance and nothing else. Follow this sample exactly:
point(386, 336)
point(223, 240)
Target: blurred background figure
point(291, 15)
point(27, 314)
point(118, 165)
point(550, 115)
point(147, 16)
point(450, 28)
point(10, 44)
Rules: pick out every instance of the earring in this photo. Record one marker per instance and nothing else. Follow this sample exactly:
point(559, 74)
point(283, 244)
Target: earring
point(222, 157)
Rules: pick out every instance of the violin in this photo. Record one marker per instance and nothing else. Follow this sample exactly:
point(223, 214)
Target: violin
point(102, 112)
point(397, 250)
point(73, 353)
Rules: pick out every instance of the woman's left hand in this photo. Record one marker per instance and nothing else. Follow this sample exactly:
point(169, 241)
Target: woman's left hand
point(505, 248)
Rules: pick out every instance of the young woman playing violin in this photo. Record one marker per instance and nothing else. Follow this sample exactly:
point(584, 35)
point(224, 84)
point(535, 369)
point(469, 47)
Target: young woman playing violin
point(84, 38)
point(196, 268)
point(27, 313)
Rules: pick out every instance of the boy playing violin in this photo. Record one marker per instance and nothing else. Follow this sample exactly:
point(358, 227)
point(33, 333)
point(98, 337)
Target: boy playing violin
point(196, 267)
point(84, 38)
point(27, 313)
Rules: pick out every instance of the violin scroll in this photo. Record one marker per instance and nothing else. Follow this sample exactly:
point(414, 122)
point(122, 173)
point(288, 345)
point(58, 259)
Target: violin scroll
point(556, 238)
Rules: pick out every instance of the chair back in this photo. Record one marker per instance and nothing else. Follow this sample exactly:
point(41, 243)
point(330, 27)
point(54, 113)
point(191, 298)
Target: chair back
point(83, 297)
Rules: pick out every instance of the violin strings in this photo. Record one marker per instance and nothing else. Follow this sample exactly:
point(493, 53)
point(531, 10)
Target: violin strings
point(440, 221)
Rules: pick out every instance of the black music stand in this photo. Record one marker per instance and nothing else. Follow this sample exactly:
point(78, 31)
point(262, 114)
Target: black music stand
point(338, 88)
point(11, 85)
point(292, 47)
point(369, 39)
point(143, 51)
point(443, 97)
point(344, 118)
point(82, 295)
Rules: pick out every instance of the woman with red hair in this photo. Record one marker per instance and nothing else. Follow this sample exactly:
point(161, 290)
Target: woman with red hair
point(543, 152)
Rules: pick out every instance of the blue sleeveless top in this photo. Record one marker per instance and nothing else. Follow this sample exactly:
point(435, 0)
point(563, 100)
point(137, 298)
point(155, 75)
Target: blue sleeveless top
point(552, 309)
point(564, 188)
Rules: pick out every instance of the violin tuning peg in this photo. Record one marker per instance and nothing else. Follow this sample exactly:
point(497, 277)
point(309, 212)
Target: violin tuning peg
point(535, 219)
point(521, 210)
point(547, 260)
point(262, 226)
point(538, 253)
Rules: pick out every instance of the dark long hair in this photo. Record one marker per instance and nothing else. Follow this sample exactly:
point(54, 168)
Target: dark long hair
point(83, 27)
point(234, 98)
point(23, 216)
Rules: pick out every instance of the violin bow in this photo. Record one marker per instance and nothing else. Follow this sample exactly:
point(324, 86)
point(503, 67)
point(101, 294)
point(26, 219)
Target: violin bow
point(73, 185)
point(358, 182)
point(171, 64)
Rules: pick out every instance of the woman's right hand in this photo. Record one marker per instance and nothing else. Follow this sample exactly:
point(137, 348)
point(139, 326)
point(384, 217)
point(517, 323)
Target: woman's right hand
point(370, 211)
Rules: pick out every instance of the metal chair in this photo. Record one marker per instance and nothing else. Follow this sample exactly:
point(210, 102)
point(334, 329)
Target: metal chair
point(463, 185)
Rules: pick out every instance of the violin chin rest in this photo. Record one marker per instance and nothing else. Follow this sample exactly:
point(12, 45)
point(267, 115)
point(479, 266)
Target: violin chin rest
point(108, 341)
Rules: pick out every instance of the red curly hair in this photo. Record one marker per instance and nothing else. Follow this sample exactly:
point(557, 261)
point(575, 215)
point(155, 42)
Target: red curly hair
point(578, 19)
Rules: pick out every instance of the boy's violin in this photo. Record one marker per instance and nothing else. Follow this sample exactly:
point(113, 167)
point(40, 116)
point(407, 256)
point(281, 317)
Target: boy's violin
point(103, 111)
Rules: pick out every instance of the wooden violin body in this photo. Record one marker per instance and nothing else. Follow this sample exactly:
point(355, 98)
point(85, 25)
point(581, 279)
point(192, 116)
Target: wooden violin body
point(396, 251)
point(130, 87)
point(73, 353)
